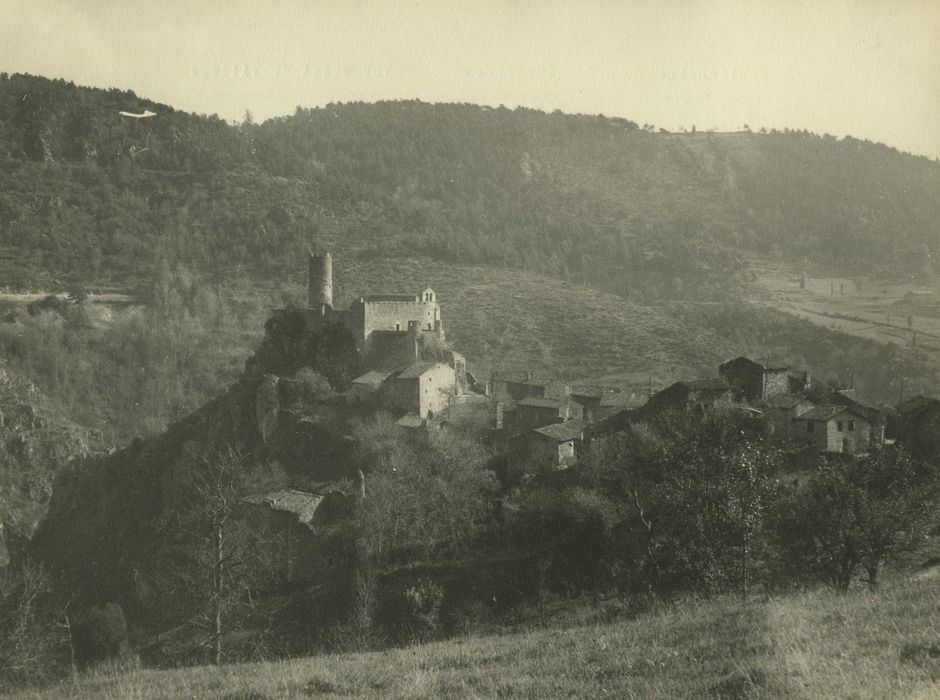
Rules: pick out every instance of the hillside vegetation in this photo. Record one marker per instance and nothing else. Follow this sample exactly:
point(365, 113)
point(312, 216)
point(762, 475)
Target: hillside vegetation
point(89, 196)
point(545, 234)
point(808, 645)
point(132, 370)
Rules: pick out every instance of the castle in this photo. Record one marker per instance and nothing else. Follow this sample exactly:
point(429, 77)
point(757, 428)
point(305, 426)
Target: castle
point(383, 325)
point(389, 329)
point(400, 342)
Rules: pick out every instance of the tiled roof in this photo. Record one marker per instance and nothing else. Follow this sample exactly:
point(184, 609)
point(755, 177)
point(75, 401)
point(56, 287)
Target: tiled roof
point(303, 505)
point(915, 403)
point(710, 383)
point(540, 403)
point(372, 377)
point(618, 398)
point(824, 413)
point(416, 370)
point(768, 366)
point(587, 392)
point(562, 432)
point(783, 400)
point(860, 399)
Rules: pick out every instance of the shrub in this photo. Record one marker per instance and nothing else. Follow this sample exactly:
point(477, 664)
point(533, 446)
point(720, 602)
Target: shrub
point(101, 635)
point(421, 611)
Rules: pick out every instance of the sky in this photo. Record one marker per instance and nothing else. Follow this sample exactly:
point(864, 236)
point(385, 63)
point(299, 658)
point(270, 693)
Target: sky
point(867, 68)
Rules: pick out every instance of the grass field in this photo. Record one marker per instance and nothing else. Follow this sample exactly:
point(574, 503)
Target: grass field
point(818, 644)
point(874, 309)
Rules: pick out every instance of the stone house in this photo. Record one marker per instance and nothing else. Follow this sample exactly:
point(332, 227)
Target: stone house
point(516, 386)
point(691, 394)
point(589, 398)
point(916, 425)
point(287, 519)
point(782, 410)
point(534, 413)
point(424, 389)
point(875, 413)
point(834, 429)
point(367, 384)
point(555, 446)
point(754, 381)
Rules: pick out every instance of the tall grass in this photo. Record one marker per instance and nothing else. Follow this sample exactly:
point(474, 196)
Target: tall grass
point(817, 644)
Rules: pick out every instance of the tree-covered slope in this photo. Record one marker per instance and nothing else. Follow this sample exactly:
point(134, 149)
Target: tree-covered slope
point(90, 195)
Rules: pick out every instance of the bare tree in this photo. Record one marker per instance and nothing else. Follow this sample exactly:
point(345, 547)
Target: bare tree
point(228, 555)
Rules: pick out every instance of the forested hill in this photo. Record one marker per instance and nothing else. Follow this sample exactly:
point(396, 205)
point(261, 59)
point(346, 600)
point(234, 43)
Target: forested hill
point(90, 196)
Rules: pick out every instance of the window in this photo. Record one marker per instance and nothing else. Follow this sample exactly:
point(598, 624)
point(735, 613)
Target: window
point(851, 425)
point(809, 426)
point(397, 326)
point(839, 426)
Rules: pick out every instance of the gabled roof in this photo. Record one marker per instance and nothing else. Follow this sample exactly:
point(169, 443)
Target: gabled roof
point(853, 396)
point(707, 384)
point(824, 413)
point(915, 403)
point(612, 399)
point(372, 378)
point(417, 369)
point(742, 359)
point(783, 400)
point(587, 392)
point(303, 505)
point(540, 403)
point(563, 432)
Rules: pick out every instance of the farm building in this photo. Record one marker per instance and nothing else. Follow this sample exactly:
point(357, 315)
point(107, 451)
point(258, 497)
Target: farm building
point(834, 429)
point(875, 413)
point(916, 425)
point(424, 389)
point(535, 412)
point(692, 394)
point(782, 410)
point(754, 381)
point(555, 446)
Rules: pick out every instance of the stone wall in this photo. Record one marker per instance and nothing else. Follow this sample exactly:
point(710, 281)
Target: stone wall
point(395, 315)
point(436, 389)
point(776, 382)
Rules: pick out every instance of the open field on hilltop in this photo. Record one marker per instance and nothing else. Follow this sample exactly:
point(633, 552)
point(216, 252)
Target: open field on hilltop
point(870, 308)
point(810, 645)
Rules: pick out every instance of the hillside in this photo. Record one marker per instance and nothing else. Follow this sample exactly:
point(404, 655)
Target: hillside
point(37, 441)
point(808, 645)
point(132, 369)
point(90, 197)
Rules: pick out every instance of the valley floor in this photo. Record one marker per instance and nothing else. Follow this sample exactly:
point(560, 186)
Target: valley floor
point(819, 644)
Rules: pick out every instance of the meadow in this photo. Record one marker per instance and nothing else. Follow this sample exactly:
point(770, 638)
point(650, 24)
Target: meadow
point(814, 644)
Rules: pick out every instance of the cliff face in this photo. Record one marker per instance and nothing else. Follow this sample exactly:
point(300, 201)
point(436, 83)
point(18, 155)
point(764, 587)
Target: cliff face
point(116, 524)
point(36, 443)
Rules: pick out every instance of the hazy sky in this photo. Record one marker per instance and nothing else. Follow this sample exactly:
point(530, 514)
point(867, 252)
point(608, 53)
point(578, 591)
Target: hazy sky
point(870, 68)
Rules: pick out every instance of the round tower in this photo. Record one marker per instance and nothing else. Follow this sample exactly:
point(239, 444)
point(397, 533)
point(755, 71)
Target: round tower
point(320, 281)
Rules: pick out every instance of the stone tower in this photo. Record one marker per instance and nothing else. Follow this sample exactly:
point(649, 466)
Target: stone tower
point(320, 281)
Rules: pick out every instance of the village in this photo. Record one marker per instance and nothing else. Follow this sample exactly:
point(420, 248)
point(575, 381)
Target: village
point(545, 424)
